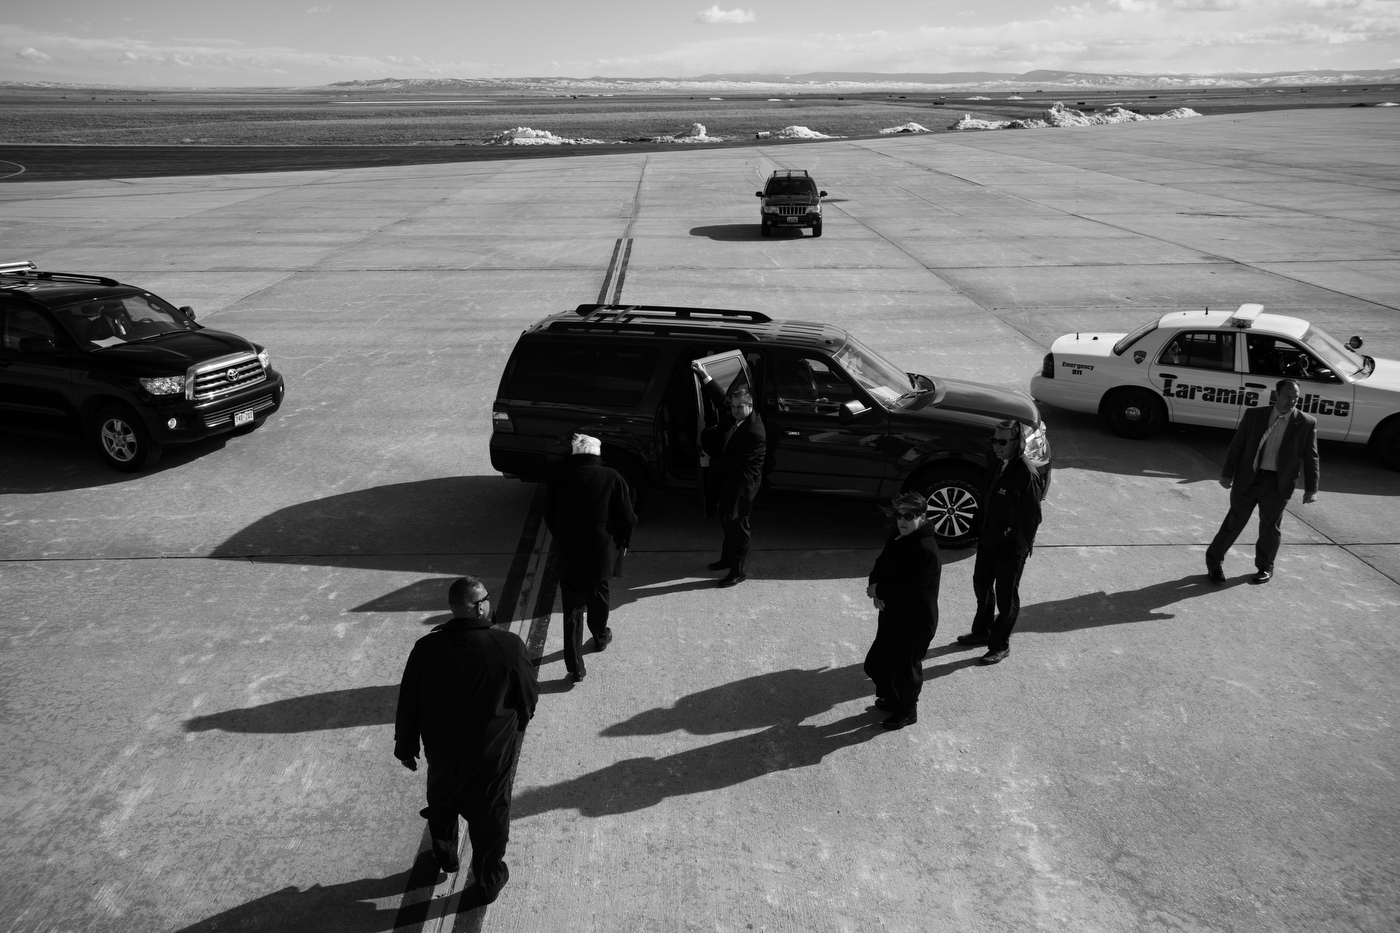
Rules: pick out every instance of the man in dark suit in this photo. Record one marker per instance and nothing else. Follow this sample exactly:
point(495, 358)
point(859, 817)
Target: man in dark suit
point(589, 511)
point(1008, 521)
point(468, 691)
point(1270, 448)
point(735, 447)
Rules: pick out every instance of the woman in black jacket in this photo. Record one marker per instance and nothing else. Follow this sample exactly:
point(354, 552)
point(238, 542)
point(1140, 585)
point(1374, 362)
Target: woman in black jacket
point(904, 586)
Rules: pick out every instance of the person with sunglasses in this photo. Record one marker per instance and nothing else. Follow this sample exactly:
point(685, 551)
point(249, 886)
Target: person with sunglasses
point(1009, 519)
point(468, 691)
point(904, 587)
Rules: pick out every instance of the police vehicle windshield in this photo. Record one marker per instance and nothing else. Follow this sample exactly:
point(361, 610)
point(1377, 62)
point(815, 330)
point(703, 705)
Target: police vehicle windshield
point(99, 323)
point(1339, 357)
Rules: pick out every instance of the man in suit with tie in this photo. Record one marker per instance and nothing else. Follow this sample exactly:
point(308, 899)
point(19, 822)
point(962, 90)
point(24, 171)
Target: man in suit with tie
point(736, 448)
point(1270, 448)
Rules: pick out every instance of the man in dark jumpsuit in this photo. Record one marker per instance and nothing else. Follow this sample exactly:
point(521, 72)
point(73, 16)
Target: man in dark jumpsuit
point(469, 691)
point(736, 448)
point(1010, 517)
point(588, 509)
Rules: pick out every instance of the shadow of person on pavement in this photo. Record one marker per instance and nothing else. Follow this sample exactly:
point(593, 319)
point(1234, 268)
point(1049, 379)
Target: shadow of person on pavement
point(335, 709)
point(337, 908)
point(776, 703)
point(1095, 609)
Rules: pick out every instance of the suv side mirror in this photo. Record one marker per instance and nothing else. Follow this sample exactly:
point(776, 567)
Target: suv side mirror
point(37, 345)
point(188, 312)
point(1354, 343)
point(850, 411)
point(758, 194)
point(821, 194)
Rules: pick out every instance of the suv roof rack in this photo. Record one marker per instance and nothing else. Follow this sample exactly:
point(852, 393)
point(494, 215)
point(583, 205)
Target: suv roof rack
point(28, 270)
point(618, 314)
point(791, 172)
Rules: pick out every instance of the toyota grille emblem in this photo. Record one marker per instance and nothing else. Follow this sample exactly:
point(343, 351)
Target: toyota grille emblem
point(231, 373)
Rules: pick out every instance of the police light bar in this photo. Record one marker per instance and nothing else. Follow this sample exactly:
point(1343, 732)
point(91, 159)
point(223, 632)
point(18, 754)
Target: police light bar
point(1244, 317)
point(10, 268)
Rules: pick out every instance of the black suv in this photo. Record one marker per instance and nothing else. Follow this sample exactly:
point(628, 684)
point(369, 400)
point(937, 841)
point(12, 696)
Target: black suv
point(790, 199)
point(841, 420)
point(129, 371)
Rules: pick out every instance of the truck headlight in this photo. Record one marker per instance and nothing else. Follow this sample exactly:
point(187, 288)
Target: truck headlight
point(772, 210)
point(163, 385)
point(264, 359)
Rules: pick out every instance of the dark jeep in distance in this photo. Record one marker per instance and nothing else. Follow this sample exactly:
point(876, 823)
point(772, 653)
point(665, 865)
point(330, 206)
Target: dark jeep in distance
point(841, 420)
point(125, 369)
point(790, 199)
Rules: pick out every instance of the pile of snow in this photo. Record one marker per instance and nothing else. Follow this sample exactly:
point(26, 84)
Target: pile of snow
point(1015, 97)
point(979, 98)
point(695, 134)
point(1060, 115)
point(1388, 103)
point(906, 128)
point(524, 136)
point(801, 132)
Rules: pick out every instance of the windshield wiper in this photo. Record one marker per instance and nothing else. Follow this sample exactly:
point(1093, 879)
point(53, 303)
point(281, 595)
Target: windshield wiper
point(164, 333)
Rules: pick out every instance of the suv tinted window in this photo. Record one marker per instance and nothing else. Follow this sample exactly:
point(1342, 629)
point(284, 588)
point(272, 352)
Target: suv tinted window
point(803, 384)
point(20, 323)
point(782, 187)
point(610, 376)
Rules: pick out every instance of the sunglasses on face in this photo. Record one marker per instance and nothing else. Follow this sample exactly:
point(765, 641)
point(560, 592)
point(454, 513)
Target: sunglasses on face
point(908, 516)
point(1001, 441)
point(477, 603)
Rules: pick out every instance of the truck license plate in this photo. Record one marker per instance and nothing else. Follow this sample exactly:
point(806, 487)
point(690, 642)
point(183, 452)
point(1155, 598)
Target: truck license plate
point(242, 417)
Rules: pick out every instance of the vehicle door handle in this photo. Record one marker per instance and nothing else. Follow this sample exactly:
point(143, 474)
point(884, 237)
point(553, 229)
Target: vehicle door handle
point(1255, 385)
point(1167, 376)
point(792, 433)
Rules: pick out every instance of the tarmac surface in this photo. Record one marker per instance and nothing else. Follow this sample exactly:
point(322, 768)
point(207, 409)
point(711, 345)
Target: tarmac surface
point(200, 663)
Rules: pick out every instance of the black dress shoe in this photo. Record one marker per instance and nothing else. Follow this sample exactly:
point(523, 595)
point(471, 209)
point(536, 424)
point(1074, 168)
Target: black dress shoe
point(901, 719)
point(973, 640)
point(1215, 571)
point(1263, 576)
point(994, 657)
point(602, 641)
point(576, 676)
point(733, 579)
point(720, 564)
point(884, 704)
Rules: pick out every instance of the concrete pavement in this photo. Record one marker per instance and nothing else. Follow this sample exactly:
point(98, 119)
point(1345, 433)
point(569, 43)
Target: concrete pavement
point(200, 662)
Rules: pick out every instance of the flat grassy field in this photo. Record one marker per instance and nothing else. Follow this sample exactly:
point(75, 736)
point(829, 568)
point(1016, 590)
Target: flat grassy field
point(65, 133)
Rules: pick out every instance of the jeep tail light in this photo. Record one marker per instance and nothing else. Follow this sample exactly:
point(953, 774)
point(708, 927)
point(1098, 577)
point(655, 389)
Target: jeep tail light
point(501, 423)
point(1047, 368)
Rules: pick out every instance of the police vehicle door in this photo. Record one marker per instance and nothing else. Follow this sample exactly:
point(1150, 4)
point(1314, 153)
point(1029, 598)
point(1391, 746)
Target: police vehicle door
point(36, 375)
point(1322, 393)
point(1198, 379)
point(809, 448)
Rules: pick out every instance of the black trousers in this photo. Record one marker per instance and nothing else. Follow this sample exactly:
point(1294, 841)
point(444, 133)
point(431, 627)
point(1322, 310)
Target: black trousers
point(483, 800)
point(594, 596)
point(996, 584)
point(895, 662)
point(1264, 493)
point(736, 542)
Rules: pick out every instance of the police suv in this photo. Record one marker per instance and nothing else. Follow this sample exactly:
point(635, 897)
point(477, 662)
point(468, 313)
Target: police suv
point(1203, 367)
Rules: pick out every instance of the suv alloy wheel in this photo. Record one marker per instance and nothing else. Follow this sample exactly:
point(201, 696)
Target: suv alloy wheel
point(123, 441)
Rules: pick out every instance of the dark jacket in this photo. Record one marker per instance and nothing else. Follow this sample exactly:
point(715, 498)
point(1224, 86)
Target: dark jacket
point(466, 690)
point(1297, 453)
point(1011, 507)
point(589, 511)
point(737, 465)
point(906, 577)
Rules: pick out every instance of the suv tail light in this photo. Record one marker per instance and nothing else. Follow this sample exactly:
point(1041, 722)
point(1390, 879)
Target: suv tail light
point(501, 423)
point(1047, 368)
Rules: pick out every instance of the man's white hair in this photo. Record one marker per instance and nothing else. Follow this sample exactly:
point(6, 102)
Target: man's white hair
point(584, 444)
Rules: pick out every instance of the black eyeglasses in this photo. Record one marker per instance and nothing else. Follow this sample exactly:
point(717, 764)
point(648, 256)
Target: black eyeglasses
point(484, 599)
point(1001, 441)
point(908, 516)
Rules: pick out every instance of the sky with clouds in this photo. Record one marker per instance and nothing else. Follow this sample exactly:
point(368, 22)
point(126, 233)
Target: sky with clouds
point(262, 42)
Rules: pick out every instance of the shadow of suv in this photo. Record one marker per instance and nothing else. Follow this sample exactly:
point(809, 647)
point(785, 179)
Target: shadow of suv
point(122, 367)
point(841, 420)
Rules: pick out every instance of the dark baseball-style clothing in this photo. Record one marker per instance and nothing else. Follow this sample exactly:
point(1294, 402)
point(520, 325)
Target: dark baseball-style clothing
point(906, 577)
point(1296, 442)
point(588, 510)
point(468, 691)
point(736, 452)
point(1010, 517)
